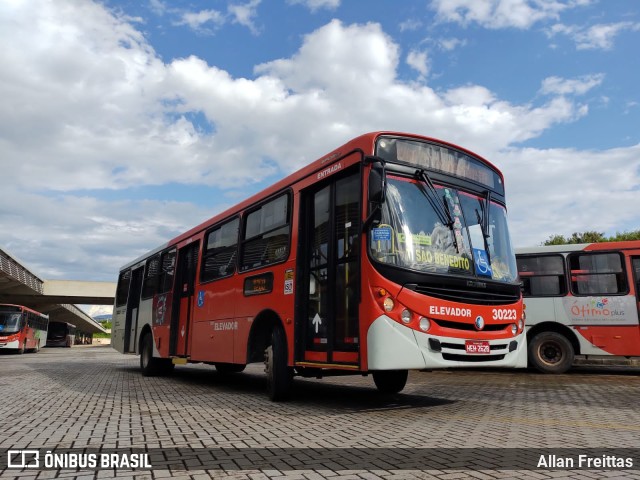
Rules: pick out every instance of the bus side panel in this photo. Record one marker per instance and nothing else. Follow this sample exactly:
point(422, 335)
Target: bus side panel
point(162, 322)
point(145, 310)
point(610, 340)
point(213, 320)
point(117, 328)
point(280, 299)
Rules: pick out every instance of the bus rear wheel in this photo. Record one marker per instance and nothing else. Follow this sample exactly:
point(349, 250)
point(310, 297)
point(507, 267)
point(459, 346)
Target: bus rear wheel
point(279, 374)
point(150, 365)
point(390, 381)
point(551, 352)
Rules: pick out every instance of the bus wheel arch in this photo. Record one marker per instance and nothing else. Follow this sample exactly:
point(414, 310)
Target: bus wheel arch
point(150, 365)
point(268, 341)
point(551, 347)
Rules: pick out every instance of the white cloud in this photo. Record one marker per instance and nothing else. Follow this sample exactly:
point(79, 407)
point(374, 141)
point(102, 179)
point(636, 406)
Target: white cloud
point(204, 21)
point(576, 86)
point(561, 191)
point(520, 14)
point(208, 22)
point(595, 37)
point(315, 5)
point(244, 14)
point(449, 44)
point(88, 104)
point(418, 61)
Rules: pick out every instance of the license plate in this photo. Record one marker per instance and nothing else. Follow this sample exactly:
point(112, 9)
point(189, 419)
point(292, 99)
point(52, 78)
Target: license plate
point(477, 347)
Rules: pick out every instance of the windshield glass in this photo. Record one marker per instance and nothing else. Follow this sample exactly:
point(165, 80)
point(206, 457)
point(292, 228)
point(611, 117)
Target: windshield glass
point(9, 322)
point(412, 235)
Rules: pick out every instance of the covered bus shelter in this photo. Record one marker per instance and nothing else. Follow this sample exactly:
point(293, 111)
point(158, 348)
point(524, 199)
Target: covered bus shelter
point(56, 298)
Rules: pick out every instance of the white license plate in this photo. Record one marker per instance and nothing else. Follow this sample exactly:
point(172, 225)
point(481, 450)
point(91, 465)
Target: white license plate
point(477, 347)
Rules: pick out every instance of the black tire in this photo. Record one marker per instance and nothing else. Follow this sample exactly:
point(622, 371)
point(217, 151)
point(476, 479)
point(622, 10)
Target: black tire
point(279, 375)
point(390, 381)
point(229, 368)
point(23, 348)
point(150, 365)
point(551, 352)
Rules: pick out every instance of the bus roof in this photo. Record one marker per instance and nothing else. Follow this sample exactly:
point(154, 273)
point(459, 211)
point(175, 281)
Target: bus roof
point(579, 247)
point(23, 308)
point(363, 142)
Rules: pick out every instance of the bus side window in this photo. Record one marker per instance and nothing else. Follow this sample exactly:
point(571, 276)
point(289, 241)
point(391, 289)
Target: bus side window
point(542, 275)
point(122, 291)
point(597, 274)
point(151, 277)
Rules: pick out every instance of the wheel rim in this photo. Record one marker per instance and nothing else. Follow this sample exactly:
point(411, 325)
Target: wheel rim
point(551, 353)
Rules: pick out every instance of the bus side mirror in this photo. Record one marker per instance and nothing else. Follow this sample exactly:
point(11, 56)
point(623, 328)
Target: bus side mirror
point(377, 183)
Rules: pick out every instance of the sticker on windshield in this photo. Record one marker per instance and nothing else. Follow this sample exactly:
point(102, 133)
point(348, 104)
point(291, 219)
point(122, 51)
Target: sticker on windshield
point(481, 262)
point(382, 233)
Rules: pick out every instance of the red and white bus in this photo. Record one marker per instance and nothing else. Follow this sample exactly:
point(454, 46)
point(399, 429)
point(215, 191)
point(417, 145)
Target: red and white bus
point(581, 303)
point(390, 253)
point(22, 329)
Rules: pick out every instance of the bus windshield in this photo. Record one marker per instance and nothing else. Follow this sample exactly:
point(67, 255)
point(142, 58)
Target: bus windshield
point(9, 322)
point(471, 239)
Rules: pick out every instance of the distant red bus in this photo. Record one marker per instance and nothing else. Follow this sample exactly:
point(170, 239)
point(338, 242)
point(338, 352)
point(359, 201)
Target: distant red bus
point(582, 303)
point(22, 329)
point(390, 253)
point(61, 334)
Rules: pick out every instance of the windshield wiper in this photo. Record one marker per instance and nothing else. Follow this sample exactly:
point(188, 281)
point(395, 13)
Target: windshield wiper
point(483, 221)
point(438, 204)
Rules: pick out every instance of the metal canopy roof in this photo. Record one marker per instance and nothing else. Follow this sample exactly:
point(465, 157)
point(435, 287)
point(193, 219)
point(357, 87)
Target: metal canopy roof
point(20, 286)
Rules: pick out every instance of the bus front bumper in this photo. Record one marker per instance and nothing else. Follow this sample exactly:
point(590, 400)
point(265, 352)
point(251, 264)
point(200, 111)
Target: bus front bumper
point(392, 346)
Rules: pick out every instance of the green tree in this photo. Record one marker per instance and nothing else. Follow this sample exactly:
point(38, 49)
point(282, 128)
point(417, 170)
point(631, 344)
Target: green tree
point(591, 237)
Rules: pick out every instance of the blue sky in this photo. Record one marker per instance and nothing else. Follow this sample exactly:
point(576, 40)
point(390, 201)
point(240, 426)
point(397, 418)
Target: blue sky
point(124, 123)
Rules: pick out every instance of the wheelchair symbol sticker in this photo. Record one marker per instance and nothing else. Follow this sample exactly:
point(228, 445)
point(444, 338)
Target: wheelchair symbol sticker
point(481, 262)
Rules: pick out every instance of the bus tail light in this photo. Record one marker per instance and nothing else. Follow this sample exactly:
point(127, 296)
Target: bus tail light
point(424, 324)
point(405, 316)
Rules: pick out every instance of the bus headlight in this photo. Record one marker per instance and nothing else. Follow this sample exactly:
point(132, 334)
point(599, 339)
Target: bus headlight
point(514, 329)
point(388, 304)
point(424, 324)
point(405, 316)
point(520, 324)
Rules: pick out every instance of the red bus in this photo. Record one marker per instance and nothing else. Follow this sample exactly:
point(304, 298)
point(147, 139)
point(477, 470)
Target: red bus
point(582, 304)
point(22, 329)
point(390, 253)
point(61, 334)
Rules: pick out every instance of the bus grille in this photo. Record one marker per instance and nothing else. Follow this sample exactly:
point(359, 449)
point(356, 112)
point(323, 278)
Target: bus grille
point(465, 295)
point(472, 358)
point(460, 346)
point(470, 326)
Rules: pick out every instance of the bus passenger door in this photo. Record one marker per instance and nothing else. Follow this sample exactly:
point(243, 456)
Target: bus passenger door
point(635, 266)
point(327, 320)
point(183, 300)
point(131, 318)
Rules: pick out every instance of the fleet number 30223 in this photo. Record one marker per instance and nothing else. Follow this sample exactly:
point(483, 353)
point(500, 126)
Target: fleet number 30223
point(505, 314)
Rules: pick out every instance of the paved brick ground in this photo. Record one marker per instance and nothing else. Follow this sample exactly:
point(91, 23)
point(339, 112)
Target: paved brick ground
point(197, 424)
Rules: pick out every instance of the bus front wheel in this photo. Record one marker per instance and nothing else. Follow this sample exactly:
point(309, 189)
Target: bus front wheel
point(551, 352)
point(390, 381)
point(279, 374)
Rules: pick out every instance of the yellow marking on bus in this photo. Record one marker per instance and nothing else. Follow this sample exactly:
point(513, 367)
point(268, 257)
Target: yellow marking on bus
point(325, 365)
point(179, 361)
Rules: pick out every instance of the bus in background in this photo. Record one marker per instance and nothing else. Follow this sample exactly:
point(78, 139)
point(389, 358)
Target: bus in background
point(388, 254)
point(581, 303)
point(22, 329)
point(61, 334)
